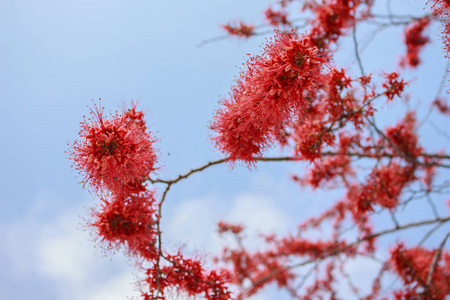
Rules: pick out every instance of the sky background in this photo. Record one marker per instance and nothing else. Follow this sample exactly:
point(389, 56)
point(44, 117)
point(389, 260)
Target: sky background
point(55, 56)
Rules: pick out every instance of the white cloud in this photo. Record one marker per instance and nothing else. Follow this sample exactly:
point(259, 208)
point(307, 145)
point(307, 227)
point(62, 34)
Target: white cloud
point(61, 255)
point(194, 221)
point(62, 251)
point(117, 288)
point(258, 213)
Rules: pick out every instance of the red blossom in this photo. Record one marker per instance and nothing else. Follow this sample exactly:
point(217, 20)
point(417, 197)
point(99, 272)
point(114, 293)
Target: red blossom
point(365, 80)
point(241, 29)
point(331, 19)
point(324, 171)
point(446, 37)
point(226, 227)
point(383, 187)
point(415, 40)
point(272, 92)
point(129, 222)
point(442, 9)
point(115, 154)
point(403, 138)
point(442, 105)
point(394, 86)
point(188, 275)
point(413, 267)
point(311, 135)
point(134, 116)
point(276, 18)
point(313, 249)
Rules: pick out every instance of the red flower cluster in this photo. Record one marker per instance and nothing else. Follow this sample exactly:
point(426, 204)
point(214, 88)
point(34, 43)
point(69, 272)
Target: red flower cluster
point(384, 186)
point(442, 9)
point(394, 86)
point(331, 19)
point(442, 106)
point(114, 154)
point(403, 138)
point(117, 157)
point(276, 18)
point(130, 222)
point(187, 275)
point(327, 170)
point(260, 268)
point(415, 40)
point(311, 135)
point(227, 227)
point(240, 30)
point(272, 92)
point(413, 266)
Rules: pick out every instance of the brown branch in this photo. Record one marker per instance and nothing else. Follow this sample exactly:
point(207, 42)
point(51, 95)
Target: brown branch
point(260, 26)
point(358, 58)
point(435, 260)
point(438, 94)
point(341, 250)
point(293, 158)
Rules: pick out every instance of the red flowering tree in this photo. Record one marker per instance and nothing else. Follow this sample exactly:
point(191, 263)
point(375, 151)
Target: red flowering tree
point(294, 95)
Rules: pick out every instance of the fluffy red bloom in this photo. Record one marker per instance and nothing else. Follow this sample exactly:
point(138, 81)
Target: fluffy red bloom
point(272, 92)
point(415, 40)
point(240, 30)
point(413, 267)
point(188, 275)
point(440, 7)
point(129, 222)
point(331, 19)
point(115, 154)
point(311, 134)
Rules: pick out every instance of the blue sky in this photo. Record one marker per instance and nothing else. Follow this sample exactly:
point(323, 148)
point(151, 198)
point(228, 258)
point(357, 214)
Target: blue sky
point(55, 56)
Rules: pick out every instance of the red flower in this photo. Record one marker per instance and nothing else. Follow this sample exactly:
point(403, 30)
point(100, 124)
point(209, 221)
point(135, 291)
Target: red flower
point(394, 86)
point(227, 227)
point(188, 275)
point(413, 267)
point(331, 20)
point(442, 9)
point(276, 18)
point(415, 40)
point(272, 92)
point(128, 221)
point(384, 187)
point(403, 139)
point(115, 154)
point(442, 106)
point(241, 29)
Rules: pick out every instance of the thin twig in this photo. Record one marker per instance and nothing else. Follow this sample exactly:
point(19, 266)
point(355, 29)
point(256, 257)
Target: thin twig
point(435, 260)
point(292, 158)
point(341, 250)
point(429, 233)
point(438, 94)
point(358, 58)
